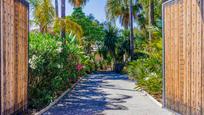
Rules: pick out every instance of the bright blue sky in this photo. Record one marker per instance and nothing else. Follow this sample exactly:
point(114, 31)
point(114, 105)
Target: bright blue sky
point(95, 7)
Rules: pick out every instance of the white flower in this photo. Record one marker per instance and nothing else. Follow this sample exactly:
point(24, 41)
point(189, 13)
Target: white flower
point(32, 62)
point(59, 50)
point(146, 78)
point(153, 74)
point(59, 66)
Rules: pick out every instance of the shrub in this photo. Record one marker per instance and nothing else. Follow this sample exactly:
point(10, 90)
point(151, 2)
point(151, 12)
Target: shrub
point(148, 71)
point(53, 67)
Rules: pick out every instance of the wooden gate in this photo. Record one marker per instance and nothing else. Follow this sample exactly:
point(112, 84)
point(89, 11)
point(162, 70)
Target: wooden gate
point(13, 55)
point(183, 35)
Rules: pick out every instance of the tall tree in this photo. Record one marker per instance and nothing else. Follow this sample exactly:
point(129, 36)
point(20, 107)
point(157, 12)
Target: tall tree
point(78, 3)
point(126, 12)
point(93, 31)
point(149, 8)
point(118, 9)
point(63, 8)
point(131, 31)
point(56, 8)
point(43, 13)
point(151, 17)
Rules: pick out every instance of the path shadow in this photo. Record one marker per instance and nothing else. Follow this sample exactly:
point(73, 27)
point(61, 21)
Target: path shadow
point(89, 99)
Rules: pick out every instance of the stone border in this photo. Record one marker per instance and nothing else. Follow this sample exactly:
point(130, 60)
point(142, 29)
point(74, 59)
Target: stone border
point(60, 97)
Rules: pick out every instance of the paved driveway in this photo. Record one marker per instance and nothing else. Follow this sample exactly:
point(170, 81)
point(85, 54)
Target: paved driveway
point(106, 94)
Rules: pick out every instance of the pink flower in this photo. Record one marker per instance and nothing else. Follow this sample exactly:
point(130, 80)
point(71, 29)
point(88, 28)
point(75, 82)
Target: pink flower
point(79, 67)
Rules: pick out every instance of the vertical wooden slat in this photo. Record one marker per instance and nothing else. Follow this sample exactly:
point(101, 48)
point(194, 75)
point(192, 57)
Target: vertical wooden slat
point(198, 61)
point(170, 61)
point(0, 57)
point(184, 37)
point(167, 22)
point(202, 56)
point(184, 29)
point(194, 58)
point(188, 56)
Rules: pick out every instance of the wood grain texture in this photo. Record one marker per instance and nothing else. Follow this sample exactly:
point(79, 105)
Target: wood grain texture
point(184, 54)
point(14, 56)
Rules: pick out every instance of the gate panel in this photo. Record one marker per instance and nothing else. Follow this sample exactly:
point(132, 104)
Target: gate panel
point(183, 56)
point(14, 55)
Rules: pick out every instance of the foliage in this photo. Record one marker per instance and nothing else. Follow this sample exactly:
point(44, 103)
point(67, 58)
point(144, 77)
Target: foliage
point(70, 27)
point(115, 46)
point(120, 9)
point(148, 71)
point(93, 31)
point(78, 3)
point(53, 67)
point(111, 39)
point(157, 7)
point(43, 12)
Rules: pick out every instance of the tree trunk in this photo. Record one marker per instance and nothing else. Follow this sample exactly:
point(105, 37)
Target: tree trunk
point(131, 32)
point(63, 8)
point(151, 17)
point(77, 4)
point(56, 8)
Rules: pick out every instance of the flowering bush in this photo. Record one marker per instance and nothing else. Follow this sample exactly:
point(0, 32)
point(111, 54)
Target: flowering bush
point(53, 67)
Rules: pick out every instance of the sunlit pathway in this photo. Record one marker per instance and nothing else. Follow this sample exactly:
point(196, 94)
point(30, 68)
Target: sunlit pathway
point(106, 94)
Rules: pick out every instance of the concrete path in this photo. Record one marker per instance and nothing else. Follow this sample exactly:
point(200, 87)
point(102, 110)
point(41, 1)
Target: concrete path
point(106, 94)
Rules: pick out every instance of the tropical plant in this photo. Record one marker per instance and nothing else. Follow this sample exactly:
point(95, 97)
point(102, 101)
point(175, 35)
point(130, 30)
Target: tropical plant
point(115, 46)
point(147, 71)
point(152, 9)
point(78, 3)
point(120, 9)
point(70, 27)
point(93, 31)
point(56, 8)
point(131, 31)
point(126, 11)
point(54, 67)
point(43, 13)
point(63, 8)
point(111, 39)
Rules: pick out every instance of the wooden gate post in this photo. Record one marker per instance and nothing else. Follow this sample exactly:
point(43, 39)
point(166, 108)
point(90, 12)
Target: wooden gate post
point(183, 54)
point(14, 21)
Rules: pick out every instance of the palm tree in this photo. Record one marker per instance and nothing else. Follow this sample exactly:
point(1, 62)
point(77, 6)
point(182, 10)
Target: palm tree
point(78, 3)
point(63, 7)
point(149, 5)
point(126, 12)
point(151, 17)
point(70, 27)
point(131, 32)
point(43, 13)
point(118, 9)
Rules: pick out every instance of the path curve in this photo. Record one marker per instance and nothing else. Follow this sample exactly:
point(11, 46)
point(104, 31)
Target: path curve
point(106, 94)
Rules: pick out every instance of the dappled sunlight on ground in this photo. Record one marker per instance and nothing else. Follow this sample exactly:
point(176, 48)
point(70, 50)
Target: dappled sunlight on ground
point(105, 93)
